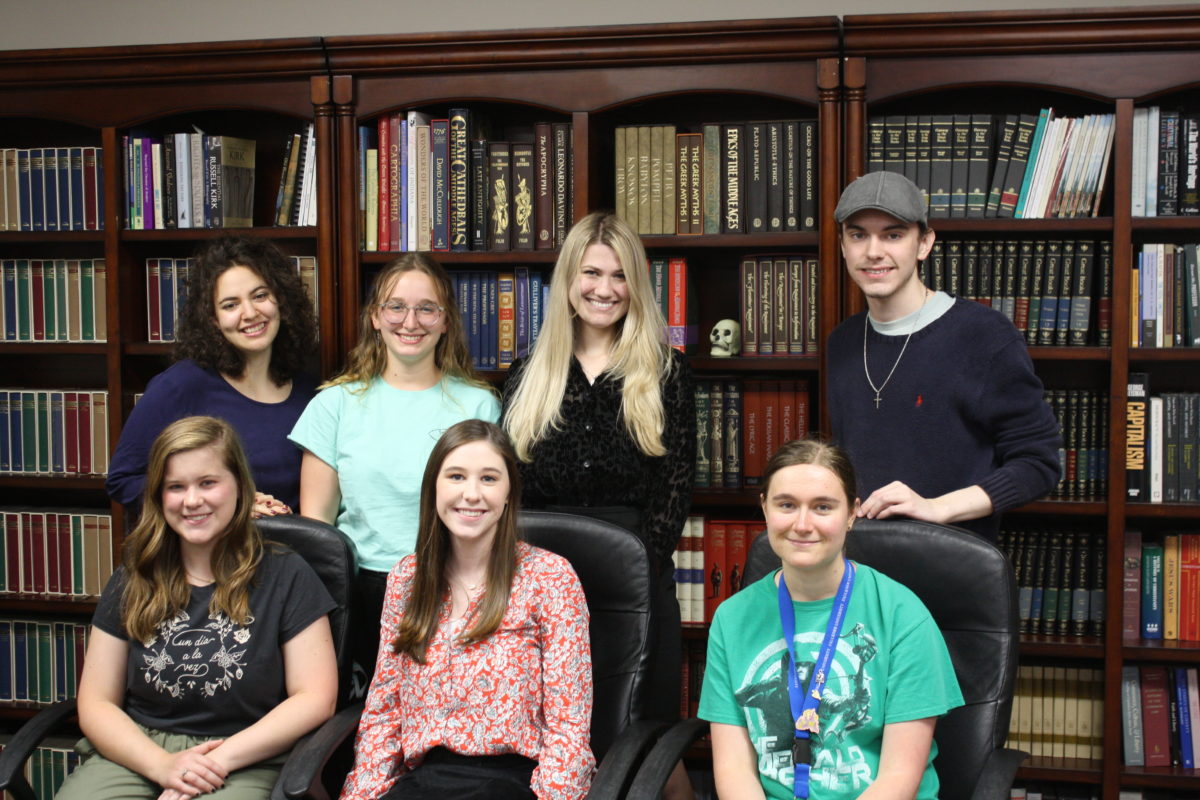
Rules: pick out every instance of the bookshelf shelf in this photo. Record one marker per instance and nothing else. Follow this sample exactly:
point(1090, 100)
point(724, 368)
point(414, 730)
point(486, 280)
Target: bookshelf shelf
point(1163, 510)
point(53, 348)
point(147, 348)
point(748, 241)
point(1187, 224)
point(45, 605)
point(1074, 770)
point(199, 234)
point(1039, 353)
point(765, 364)
point(1090, 647)
point(51, 237)
point(72, 483)
point(1160, 777)
point(452, 259)
point(1161, 650)
point(1088, 508)
point(1149, 354)
point(1070, 226)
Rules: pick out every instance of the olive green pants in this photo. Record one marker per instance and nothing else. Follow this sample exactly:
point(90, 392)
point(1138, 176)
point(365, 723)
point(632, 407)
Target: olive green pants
point(97, 778)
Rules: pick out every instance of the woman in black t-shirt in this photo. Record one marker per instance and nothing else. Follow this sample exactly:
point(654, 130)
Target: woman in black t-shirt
point(210, 654)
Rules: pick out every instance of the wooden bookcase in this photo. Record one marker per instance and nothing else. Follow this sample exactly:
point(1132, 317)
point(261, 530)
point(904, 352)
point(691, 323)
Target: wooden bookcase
point(261, 90)
point(1096, 61)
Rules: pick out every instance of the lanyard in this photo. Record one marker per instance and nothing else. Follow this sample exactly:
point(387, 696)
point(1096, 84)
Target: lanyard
point(805, 704)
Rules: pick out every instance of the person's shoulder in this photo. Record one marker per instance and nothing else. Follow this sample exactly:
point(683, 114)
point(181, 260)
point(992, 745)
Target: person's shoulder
point(750, 598)
point(983, 319)
point(847, 327)
point(539, 561)
point(184, 375)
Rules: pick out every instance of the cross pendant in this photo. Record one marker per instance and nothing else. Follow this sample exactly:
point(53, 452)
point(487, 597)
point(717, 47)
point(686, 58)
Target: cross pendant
point(877, 400)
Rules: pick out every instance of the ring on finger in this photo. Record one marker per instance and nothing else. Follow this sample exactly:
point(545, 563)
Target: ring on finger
point(183, 775)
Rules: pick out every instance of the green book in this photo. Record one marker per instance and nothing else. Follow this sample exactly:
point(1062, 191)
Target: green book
point(87, 302)
point(24, 315)
point(49, 300)
point(43, 432)
point(712, 178)
point(28, 431)
point(45, 663)
point(60, 298)
point(77, 555)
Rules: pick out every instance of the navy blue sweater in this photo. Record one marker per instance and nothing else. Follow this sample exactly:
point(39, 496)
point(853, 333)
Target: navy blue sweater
point(964, 407)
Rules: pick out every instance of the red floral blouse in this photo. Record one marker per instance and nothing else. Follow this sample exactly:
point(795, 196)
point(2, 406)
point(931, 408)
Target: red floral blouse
point(526, 689)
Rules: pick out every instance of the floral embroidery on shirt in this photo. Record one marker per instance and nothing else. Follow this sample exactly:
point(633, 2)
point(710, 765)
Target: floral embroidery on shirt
point(206, 660)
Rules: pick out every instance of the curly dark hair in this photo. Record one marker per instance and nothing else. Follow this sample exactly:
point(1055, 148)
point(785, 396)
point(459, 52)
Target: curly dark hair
point(197, 334)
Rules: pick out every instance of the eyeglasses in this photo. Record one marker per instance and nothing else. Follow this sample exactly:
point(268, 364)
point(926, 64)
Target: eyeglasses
point(396, 312)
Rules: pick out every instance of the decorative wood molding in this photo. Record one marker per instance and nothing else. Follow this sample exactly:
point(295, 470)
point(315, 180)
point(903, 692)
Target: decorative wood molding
point(1105, 30)
point(562, 48)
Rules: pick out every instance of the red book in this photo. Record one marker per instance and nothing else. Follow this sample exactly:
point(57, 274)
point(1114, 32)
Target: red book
point(37, 293)
point(736, 543)
point(770, 426)
point(1155, 726)
point(64, 553)
point(37, 542)
point(1131, 586)
point(83, 437)
point(12, 546)
point(153, 295)
point(677, 304)
point(396, 181)
point(90, 215)
point(787, 412)
point(71, 430)
point(1189, 586)
point(52, 554)
point(716, 573)
point(802, 424)
point(752, 457)
point(384, 198)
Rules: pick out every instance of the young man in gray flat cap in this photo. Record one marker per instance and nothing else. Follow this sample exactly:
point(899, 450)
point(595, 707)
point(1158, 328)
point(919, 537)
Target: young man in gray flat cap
point(934, 397)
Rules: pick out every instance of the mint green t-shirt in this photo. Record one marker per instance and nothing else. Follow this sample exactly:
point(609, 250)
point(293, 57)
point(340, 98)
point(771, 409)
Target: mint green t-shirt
point(891, 665)
point(378, 441)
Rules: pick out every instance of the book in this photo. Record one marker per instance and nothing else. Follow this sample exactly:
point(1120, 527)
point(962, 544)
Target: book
point(1152, 591)
point(1155, 738)
point(499, 195)
point(1137, 407)
point(1131, 717)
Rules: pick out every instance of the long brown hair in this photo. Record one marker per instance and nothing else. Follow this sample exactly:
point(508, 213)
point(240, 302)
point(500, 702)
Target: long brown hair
point(368, 358)
point(156, 588)
point(429, 587)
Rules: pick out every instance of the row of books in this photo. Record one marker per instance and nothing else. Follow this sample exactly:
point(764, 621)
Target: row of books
point(1056, 292)
point(1060, 577)
point(751, 177)
point(1162, 437)
point(40, 659)
point(1083, 421)
point(1160, 716)
point(55, 553)
point(440, 184)
point(1160, 587)
point(51, 189)
point(710, 563)
point(1058, 791)
point(54, 300)
point(48, 766)
point(502, 313)
point(740, 424)
point(188, 180)
point(166, 291)
point(1166, 163)
point(53, 431)
point(993, 165)
point(780, 296)
point(1165, 297)
point(1058, 712)
point(296, 200)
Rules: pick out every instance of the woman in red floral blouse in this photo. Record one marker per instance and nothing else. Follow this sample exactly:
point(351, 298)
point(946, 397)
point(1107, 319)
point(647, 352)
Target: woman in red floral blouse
point(483, 685)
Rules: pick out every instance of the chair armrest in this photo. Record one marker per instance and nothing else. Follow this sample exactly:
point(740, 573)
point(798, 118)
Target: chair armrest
point(301, 774)
point(998, 774)
point(656, 768)
point(622, 759)
point(24, 742)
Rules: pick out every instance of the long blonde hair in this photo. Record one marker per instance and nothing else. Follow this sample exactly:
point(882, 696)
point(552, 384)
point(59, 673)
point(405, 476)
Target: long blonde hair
point(640, 356)
point(368, 358)
point(429, 585)
point(156, 588)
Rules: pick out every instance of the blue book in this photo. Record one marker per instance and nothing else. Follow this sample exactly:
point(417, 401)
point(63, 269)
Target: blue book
point(50, 187)
point(1044, 117)
point(475, 309)
point(23, 190)
point(37, 196)
point(5, 454)
point(16, 450)
point(535, 307)
point(64, 188)
point(493, 316)
point(1187, 756)
point(521, 275)
point(99, 190)
point(58, 431)
point(76, 191)
point(9, 269)
point(183, 267)
point(45, 660)
point(439, 180)
point(6, 660)
point(60, 660)
point(1152, 591)
point(20, 662)
point(166, 297)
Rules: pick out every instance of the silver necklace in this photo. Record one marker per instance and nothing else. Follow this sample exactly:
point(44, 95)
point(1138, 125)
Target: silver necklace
point(867, 371)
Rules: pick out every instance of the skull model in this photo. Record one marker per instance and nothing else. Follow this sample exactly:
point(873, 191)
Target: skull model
point(726, 338)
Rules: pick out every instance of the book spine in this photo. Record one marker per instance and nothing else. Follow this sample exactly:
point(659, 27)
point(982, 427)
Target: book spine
point(733, 179)
point(732, 400)
point(500, 195)
point(523, 195)
point(439, 184)
point(563, 183)
point(703, 438)
point(460, 193)
point(756, 177)
point(479, 194)
point(712, 178)
point(1152, 591)
point(544, 184)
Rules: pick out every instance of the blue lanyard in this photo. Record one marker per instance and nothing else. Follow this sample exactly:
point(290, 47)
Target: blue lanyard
point(805, 704)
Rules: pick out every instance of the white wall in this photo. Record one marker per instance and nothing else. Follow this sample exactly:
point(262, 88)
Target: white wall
point(34, 24)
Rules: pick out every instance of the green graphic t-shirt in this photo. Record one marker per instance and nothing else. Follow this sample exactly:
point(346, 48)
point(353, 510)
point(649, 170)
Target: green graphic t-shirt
point(891, 665)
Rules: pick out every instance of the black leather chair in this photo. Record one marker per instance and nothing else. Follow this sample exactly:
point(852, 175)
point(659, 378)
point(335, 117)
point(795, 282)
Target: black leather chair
point(327, 550)
point(969, 588)
point(614, 569)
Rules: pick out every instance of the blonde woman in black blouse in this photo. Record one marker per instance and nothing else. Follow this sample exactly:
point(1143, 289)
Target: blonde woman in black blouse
point(603, 417)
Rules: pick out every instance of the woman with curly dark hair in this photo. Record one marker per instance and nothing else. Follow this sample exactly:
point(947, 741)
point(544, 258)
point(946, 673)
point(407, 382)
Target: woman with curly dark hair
point(242, 340)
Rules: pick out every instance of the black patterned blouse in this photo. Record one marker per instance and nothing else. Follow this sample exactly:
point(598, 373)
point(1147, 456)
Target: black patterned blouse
point(593, 461)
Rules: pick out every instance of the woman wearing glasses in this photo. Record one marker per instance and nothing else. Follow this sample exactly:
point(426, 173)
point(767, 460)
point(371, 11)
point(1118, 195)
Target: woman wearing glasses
point(367, 434)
